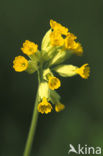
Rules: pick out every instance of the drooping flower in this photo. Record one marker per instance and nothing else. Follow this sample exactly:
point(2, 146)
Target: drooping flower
point(44, 107)
point(29, 47)
point(20, 64)
point(54, 83)
point(83, 71)
point(59, 107)
point(70, 70)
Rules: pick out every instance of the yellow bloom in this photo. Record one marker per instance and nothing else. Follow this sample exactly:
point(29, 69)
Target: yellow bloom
point(29, 47)
point(58, 27)
point(20, 63)
point(79, 49)
point(71, 36)
point(59, 107)
point(44, 106)
point(54, 83)
point(83, 71)
point(71, 44)
point(56, 39)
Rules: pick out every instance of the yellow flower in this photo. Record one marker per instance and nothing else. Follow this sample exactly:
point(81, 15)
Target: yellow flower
point(58, 27)
point(83, 71)
point(20, 63)
point(44, 106)
point(54, 83)
point(79, 49)
point(59, 107)
point(71, 44)
point(56, 39)
point(29, 47)
point(71, 36)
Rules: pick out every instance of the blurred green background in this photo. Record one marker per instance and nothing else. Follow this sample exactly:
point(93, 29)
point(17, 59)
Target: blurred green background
point(82, 120)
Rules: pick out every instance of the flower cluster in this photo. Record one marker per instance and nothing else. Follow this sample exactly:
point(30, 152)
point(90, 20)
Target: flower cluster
point(58, 44)
point(60, 36)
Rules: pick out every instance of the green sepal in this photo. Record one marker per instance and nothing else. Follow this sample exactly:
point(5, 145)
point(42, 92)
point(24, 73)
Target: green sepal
point(60, 56)
point(54, 97)
point(32, 67)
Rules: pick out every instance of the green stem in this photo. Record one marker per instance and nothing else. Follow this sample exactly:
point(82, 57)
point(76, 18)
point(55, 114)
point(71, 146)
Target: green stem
point(33, 126)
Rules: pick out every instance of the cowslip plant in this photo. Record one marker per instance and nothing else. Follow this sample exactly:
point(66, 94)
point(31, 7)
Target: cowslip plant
point(58, 44)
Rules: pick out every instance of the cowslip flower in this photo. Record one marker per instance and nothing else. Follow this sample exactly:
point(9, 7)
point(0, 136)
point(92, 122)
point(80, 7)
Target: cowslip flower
point(58, 45)
point(68, 41)
point(20, 64)
point(58, 27)
point(29, 48)
point(44, 106)
point(72, 45)
point(83, 71)
point(70, 70)
point(56, 39)
point(59, 107)
point(54, 83)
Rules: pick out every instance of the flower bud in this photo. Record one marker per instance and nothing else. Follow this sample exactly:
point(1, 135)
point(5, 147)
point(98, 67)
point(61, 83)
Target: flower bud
point(46, 41)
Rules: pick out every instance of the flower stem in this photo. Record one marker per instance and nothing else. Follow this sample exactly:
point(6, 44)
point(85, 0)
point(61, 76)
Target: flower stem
point(32, 127)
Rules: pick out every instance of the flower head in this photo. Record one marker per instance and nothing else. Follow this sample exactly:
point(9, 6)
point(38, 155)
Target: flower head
point(58, 44)
point(59, 107)
point(54, 83)
point(83, 71)
point(20, 63)
point(44, 106)
point(29, 48)
point(58, 27)
point(67, 42)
